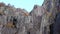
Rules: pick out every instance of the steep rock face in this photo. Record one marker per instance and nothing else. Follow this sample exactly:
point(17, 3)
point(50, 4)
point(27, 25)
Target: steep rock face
point(56, 29)
point(10, 22)
point(37, 13)
point(48, 24)
point(18, 21)
point(41, 20)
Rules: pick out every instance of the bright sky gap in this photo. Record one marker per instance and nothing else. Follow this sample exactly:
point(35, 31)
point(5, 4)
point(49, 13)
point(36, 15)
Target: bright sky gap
point(24, 4)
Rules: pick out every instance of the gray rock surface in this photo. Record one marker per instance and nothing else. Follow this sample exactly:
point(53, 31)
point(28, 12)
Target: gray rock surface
point(43, 19)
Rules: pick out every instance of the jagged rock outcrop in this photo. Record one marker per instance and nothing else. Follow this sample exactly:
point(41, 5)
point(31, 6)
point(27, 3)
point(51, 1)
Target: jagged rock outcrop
point(49, 22)
point(37, 13)
point(18, 21)
point(43, 19)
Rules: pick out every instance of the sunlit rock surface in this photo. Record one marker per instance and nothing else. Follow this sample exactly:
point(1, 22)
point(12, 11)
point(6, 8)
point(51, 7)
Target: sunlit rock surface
point(19, 21)
point(43, 19)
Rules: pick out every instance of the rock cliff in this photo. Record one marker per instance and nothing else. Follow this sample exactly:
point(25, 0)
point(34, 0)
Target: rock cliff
point(43, 19)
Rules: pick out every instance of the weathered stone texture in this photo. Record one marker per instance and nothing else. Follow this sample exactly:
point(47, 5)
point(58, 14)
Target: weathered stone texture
point(49, 19)
point(41, 20)
point(18, 21)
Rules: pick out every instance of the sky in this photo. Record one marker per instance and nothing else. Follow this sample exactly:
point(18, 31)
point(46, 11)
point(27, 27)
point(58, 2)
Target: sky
point(24, 4)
